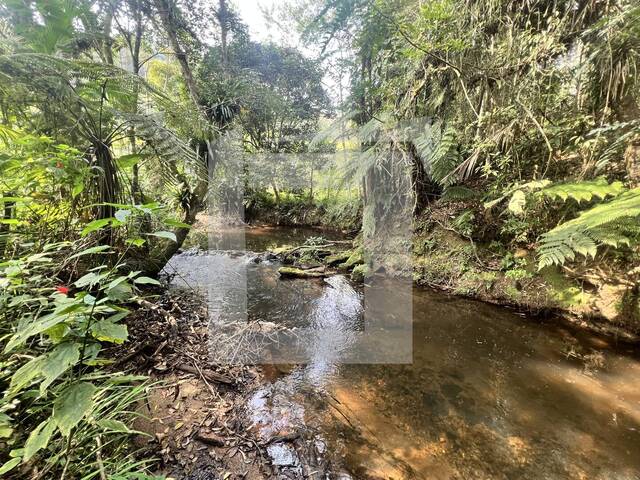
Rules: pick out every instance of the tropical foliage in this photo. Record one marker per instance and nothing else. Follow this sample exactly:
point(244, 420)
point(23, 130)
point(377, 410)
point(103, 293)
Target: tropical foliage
point(520, 107)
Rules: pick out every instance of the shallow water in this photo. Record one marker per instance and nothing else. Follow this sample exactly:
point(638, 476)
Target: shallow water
point(258, 238)
point(490, 394)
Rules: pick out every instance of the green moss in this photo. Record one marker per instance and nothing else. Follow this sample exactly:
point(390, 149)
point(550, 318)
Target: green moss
point(356, 258)
point(292, 272)
point(512, 293)
point(567, 293)
point(360, 272)
point(337, 258)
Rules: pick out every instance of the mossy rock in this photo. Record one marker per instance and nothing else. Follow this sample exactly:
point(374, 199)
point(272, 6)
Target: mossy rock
point(337, 258)
point(360, 272)
point(292, 272)
point(356, 258)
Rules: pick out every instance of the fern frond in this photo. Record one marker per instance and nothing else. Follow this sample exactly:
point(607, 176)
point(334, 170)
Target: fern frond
point(444, 159)
point(458, 193)
point(604, 224)
point(584, 191)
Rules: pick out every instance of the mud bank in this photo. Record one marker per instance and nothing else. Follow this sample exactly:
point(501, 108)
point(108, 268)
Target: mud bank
point(446, 261)
point(206, 421)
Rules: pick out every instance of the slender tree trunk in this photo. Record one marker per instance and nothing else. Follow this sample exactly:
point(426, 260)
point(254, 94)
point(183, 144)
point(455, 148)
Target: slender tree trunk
point(107, 185)
point(107, 42)
point(136, 193)
point(167, 10)
point(4, 227)
point(276, 192)
point(223, 21)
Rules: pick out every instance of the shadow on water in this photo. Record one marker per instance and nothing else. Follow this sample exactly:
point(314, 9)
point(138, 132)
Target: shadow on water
point(489, 394)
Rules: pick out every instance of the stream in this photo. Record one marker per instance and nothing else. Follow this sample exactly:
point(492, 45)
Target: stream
point(490, 393)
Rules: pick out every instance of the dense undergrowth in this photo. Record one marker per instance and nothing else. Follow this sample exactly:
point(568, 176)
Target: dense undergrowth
point(298, 210)
point(517, 126)
point(67, 283)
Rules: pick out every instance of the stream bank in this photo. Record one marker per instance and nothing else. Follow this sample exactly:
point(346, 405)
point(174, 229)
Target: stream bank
point(489, 395)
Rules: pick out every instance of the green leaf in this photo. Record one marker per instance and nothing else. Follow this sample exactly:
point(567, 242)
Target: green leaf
point(107, 331)
point(117, 281)
point(116, 317)
point(176, 223)
point(10, 465)
point(90, 279)
point(146, 281)
point(91, 251)
point(25, 374)
point(33, 328)
point(162, 234)
point(57, 362)
point(15, 199)
point(78, 188)
point(120, 292)
point(6, 429)
point(128, 161)
point(38, 438)
point(73, 405)
point(137, 242)
point(517, 202)
point(95, 225)
point(114, 426)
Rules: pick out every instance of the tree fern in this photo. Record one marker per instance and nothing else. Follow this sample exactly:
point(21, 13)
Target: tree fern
point(441, 157)
point(585, 190)
point(608, 223)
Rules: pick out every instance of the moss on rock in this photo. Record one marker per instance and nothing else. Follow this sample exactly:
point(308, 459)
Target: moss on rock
point(360, 272)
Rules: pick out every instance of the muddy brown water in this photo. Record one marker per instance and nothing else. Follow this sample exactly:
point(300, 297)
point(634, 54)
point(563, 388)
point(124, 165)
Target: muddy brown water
point(490, 393)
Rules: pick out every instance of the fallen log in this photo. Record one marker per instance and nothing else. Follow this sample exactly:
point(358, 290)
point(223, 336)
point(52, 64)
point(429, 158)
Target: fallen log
point(292, 272)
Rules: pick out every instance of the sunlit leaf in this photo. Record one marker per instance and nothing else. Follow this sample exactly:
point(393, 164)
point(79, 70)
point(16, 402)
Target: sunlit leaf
point(95, 225)
point(10, 465)
point(38, 438)
point(57, 362)
point(108, 331)
point(146, 281)
point(162, 234)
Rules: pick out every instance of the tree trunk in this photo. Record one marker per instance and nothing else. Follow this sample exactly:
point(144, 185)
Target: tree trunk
point(223, 21)
point(632, 161)
point(4, 227)
point(107, 184)
point(166, 10)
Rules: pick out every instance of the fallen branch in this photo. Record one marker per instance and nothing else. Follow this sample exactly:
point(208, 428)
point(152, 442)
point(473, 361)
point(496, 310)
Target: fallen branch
point(208, 374)
point(210, 439)
point(289, 437)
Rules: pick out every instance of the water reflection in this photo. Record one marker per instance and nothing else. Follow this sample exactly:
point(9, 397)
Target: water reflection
point(490, 395)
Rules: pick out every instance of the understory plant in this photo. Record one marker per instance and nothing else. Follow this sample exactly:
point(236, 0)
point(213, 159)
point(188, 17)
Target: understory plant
point(63, 414)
